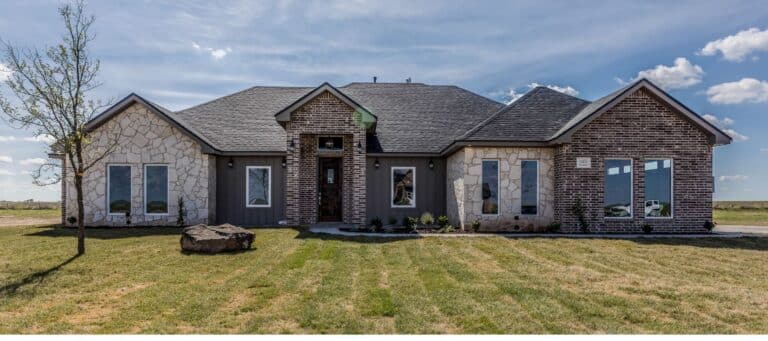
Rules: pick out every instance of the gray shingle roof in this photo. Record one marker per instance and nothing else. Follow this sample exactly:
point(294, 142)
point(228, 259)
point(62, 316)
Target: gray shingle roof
point(535, 117)
point(412, 118)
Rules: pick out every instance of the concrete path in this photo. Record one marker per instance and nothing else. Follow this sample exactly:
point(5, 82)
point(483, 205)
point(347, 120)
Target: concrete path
point(758, 230)
point(337, 232)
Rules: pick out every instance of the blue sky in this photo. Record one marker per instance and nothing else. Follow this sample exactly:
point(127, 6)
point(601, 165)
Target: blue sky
point(182, 53)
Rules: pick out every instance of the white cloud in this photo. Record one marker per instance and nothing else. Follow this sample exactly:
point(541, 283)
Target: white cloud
point(718, 122)
point(34, 161)
point(5, 72)
point(737, 177)
point(6, 159)
point(40, 138)
point(6, 172)
point(735, 135)
point(7, 138)
point(745, 90)
point(726, 122)
point(764, 150)
point(514, 95)
point(736, 47)
point(568, 90)
point(680, 75)
point(215, 53)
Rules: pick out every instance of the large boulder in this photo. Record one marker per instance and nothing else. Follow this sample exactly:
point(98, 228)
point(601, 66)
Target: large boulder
point(214, 239)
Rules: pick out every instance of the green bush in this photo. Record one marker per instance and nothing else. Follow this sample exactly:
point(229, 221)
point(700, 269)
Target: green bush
point(442, 221)
point(72, 220)
point(647, 228)
point(427, 218)
point(411, 222)
point(376, 223)
point(579, 211)
point(475, 225)
point(709, 225)
point(553, 227)
point(448, 228)
point(182, 212)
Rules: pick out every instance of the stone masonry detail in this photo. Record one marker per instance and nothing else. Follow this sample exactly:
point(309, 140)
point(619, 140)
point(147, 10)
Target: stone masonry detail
point(640, 127)
point(464, 191)
point(144, 138)
point(324, 115)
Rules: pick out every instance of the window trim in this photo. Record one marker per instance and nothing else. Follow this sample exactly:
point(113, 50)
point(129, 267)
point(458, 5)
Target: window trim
point(498, 188)
point(248, 187)
point(671, 188)
point(392, 187)
point(631, 188)
point(130, 187)
point(538, 187)
point(167, 189)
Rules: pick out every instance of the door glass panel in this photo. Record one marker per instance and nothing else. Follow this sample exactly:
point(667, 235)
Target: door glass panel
point(330, 175)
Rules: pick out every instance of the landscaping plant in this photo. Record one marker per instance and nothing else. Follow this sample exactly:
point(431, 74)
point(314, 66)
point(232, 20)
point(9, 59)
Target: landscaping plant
point(427, 219)
point(442, 221)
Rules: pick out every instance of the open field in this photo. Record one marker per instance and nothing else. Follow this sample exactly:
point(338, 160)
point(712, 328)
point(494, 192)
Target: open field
point(135, 280)
point(13, 217)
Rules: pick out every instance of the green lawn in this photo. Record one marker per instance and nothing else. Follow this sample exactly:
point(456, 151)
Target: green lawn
point(137, 281)
point(44, 214)
point(741, 216)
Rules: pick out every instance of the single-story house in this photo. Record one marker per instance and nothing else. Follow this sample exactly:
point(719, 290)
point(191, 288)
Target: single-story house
point(266, 156)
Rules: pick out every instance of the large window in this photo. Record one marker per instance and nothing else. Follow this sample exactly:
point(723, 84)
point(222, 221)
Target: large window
point(618, 189)
point(529, 184)
point(259, 186)
point(658, 188)
point(490, 187)
point(118, 189)
point(403, 187)
point(156, 189)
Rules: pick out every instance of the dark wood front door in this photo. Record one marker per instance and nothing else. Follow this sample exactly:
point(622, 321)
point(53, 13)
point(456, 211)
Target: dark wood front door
point(330, 189)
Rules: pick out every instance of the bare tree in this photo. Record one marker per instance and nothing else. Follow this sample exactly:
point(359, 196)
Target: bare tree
point(51, 88)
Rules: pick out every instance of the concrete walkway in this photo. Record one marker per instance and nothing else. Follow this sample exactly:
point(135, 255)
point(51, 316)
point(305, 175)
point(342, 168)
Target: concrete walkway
point(756, 230)
point(335, 231)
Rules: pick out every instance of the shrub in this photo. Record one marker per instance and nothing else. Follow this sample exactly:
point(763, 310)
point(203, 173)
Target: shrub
point(475, 225)
point(709, 225)
point(411, 222)
point(72, 220)
point(392, 220)
point(553, 227)
point(578, 210)
point(128, 218)
point(448, 228)
point(647, 228)
point(182, 212)
point(427, 218)
point(376, 223)
point(442, 221)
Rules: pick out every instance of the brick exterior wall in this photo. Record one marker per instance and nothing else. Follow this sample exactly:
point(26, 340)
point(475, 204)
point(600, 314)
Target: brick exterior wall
point(324, 115)
point(640, 127)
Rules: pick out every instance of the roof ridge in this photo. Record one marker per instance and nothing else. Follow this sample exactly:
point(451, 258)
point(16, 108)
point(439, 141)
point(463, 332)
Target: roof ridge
point(242, 91)
point(496, 114)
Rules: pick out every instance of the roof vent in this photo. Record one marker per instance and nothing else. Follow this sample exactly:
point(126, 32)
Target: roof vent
point(374, 79)
point(408, 80)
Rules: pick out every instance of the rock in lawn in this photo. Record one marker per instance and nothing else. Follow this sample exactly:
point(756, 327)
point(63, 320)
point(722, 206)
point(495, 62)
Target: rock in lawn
point(214, 239)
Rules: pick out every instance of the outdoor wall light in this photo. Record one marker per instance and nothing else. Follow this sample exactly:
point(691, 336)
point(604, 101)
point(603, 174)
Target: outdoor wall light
point(284, 163)
point(360, 146)
point(376, 163)
point(431, 164)
point(292, 144)
point(230, 163)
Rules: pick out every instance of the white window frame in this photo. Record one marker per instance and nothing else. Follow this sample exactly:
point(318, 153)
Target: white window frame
point(538, 187)
point(631, 188)
point(671, 188)
point(392, 187)
point(498, 188)
point(248, 187)
point(130, 189)
point(167, 189)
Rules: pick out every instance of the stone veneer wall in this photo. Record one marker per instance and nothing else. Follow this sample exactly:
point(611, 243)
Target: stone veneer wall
point(142, 138)
point(324, 115)
point(464, 189)
point(640, 127)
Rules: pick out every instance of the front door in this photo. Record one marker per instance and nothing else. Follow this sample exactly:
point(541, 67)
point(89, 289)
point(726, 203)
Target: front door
point(330, 189)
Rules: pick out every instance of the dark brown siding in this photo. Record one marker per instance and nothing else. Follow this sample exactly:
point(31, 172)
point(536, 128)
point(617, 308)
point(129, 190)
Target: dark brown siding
point(230, 192)
point(430, 187)
point(640, 128)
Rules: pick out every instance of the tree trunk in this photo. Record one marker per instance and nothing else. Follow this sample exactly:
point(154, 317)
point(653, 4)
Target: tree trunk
point(80, 214)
